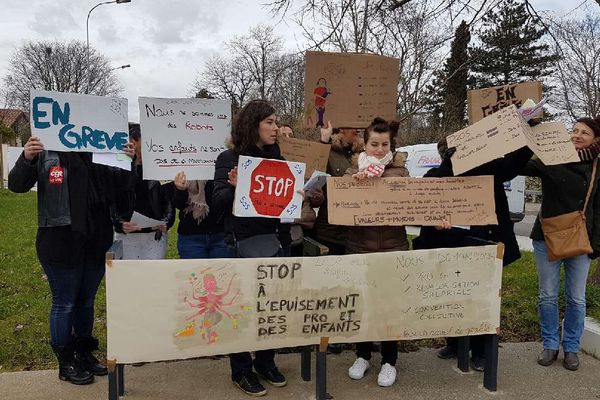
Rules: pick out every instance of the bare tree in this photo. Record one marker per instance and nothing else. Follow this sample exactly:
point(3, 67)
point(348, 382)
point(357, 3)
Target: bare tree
point(258, 52)
point(226, 78)
point(578, 43)
point(57, 66)
point(255, 67)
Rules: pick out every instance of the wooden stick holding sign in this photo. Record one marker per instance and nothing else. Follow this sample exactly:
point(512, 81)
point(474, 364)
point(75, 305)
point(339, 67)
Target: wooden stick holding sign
point(411, 201)
point(268, 188)
point(79, 122)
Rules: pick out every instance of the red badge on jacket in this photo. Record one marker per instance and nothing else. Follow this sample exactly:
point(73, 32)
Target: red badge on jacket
point(56, 176)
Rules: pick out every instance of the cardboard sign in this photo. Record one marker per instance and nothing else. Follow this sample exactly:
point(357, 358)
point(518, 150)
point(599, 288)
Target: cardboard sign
point(79, 122)
point(484, 102)
point(268, 188)
point(504, 132)
point(349, 89)
point(315, 155)
point(182, 135)
point(192, 308)
point(411, 201)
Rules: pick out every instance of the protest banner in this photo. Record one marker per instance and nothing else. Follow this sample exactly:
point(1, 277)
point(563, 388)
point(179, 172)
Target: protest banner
point(505, 131)
point(182, 135)
point(349, 89)
point(315, 155)
point(79, 122)
point(411, 201)
point(484, 102)
point(268, 188)
point(192, 308)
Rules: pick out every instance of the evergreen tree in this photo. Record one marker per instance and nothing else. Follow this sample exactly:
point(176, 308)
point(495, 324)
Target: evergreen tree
point(448, 91)
point(457, 70)
point(511, 49)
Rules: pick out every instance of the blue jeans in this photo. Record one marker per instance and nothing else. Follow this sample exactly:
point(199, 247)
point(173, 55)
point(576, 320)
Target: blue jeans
point(73, 294)
point(576, 272)
point(204, 246)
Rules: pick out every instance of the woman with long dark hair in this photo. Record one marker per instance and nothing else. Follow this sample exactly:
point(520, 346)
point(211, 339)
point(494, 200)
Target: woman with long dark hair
point(254, 133)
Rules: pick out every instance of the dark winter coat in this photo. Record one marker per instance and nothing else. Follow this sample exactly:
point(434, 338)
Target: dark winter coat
point(564, 188)
point(503, 169)
point(223, 196)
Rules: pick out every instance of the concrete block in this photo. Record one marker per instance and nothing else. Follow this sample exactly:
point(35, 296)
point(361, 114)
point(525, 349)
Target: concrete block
point(590, 340)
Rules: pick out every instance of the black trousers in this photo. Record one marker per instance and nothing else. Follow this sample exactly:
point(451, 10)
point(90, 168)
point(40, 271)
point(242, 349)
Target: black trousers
point(477, 345)
point(389, 351)
point(241, 363)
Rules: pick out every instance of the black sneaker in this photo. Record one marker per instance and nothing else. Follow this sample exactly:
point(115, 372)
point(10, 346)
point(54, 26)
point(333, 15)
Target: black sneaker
point(249, 384)
point(447, 352)
point(478, 363)
point(274, 377)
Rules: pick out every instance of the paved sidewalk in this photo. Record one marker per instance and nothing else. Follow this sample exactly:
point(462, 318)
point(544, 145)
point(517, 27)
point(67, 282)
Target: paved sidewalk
point(421, 376)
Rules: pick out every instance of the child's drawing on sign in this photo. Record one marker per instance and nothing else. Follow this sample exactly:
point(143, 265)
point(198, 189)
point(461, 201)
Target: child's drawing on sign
point(321, 94)
point(206, 305)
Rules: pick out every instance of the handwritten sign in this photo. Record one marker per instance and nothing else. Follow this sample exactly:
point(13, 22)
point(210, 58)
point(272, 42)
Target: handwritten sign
point(484, 102)
point(506, 131)
point(192, 308)
point(349, 89)
point(314, 155)
point(268, 188)
point(182, 135)
point(411, 201)
point(79, 122)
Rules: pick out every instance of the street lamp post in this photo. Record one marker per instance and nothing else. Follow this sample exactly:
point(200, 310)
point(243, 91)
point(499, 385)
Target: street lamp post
point(87, 34)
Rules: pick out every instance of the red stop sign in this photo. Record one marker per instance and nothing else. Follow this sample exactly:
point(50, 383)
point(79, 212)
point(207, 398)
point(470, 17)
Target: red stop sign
point(271, 187)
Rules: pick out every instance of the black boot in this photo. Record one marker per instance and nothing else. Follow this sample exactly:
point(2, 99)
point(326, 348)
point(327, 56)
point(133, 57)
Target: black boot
point(68, 369)
point(85, 358)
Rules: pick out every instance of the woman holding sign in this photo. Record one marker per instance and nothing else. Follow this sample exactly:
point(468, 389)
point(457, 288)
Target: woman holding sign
point(376, 161)
point(254, 133)
point(77, 206)
point(566, 188)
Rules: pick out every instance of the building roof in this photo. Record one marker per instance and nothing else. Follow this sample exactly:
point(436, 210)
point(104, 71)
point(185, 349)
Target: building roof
point(8, 116)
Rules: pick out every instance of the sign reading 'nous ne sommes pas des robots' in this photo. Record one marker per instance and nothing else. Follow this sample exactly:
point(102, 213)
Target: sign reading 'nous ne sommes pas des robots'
point(78, 122)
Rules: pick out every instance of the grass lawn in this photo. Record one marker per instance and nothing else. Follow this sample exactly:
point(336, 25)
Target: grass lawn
point(25, 296)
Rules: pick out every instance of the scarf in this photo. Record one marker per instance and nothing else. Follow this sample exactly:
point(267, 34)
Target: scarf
point(197, 200)
point(589, 153)
point(373, 165)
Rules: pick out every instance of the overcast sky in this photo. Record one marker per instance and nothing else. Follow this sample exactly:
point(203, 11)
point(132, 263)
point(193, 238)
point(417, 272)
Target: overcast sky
point(165, 41)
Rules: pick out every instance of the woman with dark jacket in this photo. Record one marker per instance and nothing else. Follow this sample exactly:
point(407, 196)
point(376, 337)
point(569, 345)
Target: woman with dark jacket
point(78, 202)
point(564, 190)
point(152, 200)
point(503, 169)
point(376, 161)
point(254, 133)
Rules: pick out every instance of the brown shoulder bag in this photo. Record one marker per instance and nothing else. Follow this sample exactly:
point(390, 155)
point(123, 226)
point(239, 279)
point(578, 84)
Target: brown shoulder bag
point(566, 235)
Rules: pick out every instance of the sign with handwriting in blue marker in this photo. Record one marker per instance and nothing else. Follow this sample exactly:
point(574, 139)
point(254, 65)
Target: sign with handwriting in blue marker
point(79, 122)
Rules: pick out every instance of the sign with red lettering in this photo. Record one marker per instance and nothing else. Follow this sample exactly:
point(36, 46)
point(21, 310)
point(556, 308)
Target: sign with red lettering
point(268, 188)
point(56, 175)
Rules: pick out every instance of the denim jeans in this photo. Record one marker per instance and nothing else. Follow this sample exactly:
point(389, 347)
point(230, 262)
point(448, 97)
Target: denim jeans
point(73, 294)
point(576, 272)
point(204, 246)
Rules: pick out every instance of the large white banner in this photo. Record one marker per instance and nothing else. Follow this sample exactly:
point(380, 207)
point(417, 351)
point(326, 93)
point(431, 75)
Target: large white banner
point(182, 135)
point(177, 309)
point(268, 188)
point(79, 122)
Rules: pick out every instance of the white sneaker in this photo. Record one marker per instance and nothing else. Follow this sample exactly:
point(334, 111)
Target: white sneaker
point(387, 375)
point(358, 369)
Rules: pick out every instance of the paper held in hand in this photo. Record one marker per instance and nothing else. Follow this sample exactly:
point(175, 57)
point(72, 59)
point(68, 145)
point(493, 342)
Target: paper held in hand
point(504, 132)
